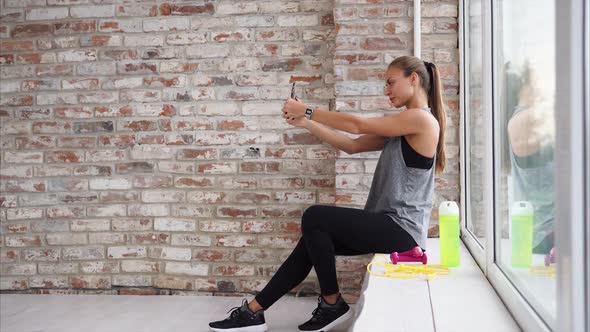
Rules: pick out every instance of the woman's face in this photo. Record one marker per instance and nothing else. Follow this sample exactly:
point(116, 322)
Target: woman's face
point(398, 88)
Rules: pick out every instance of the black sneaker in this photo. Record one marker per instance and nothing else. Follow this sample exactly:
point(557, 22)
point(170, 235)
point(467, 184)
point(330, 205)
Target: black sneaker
point(241, 319)
point(327, 316)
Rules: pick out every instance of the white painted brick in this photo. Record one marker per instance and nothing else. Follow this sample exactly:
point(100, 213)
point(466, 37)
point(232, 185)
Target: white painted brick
point(122, 83)
point(144, 40)
point(106, 184)
point(160, 196)
point(77, 55)
point(211, 51)
point(10, 86)
point(12, 157)
point(18, 269)
point(193, 269)
point(57, 99)
point(131, 281)
point(190, 240)
point(24, 3)
point(186, 38)
point(200, 22)
point(306, 20)
point(93, 11)
point(439, 10)
point(166, 24)
point(254, 21)
point(91, 225)
point(148, 210)
point(174, 225)
point(171, 253)
point(152, 152)
point(83, 253)
point(66, 239)
point(126, 252)
point(261, 108)
point(277, 6)
point(110, 210)
point(98, 68)
point(139, 266)
point(51, 13)
point(232, 7)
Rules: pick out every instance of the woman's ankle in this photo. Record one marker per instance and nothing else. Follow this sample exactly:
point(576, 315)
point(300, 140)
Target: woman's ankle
point(332, 298)
point(254, 306)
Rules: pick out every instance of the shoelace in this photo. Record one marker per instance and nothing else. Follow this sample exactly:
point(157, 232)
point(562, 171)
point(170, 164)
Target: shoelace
point(318, 312)
point(235, 312)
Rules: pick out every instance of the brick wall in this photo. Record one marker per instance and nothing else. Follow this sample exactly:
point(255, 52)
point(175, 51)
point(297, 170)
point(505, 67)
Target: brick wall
point(370, 34)
point(143, 151)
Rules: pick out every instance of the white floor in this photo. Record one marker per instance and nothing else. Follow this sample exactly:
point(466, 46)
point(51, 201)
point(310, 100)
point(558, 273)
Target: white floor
point(460, 301)
point(127, 313)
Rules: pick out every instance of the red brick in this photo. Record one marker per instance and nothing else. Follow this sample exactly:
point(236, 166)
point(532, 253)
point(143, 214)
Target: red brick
point(65, 156)
point(120, 141)
point(76, 142)
point(20, 45)
point(119, 54)
point(172, 9)
point(55, 70)
point(35, 142)
point(32, 30)
point(17, 101)
point(74, 27)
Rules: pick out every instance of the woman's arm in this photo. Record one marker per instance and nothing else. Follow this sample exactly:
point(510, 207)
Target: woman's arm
point(412, 121)
point(343, 142)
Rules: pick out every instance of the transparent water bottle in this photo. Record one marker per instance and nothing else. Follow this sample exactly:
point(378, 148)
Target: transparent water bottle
point(522, 233)
point(448, 225)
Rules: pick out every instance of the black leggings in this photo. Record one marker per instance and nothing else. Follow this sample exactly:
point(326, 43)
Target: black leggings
point(329, 231)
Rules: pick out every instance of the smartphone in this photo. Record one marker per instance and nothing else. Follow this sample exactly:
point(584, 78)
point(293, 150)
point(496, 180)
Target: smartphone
point(293, 91)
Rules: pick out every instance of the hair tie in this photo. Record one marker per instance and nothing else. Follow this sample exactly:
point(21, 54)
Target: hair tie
point(428, 66)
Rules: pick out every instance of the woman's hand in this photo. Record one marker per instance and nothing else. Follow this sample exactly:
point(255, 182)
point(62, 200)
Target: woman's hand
point(300, 122)
point(293, 108)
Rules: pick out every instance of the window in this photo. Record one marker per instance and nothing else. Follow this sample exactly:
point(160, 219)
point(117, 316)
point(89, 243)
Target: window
point(524, 118)
point(526, 149)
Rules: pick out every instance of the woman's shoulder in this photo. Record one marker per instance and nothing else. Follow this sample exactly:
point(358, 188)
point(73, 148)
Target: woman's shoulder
point(423, 115)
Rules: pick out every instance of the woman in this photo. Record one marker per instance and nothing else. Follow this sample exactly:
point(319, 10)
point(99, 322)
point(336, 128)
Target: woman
point(397, 212)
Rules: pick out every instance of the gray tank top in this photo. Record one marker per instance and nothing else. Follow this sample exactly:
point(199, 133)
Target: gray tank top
point(402, 193)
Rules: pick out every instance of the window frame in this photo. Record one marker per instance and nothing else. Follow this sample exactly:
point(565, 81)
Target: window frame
point(572, 195)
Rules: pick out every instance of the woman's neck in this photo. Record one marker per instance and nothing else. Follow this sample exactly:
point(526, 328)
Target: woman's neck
point(420, 100)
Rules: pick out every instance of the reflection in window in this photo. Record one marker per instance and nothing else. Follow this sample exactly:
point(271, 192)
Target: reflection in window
point(525, 111)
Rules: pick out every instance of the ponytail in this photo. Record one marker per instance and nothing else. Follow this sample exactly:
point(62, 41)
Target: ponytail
point(435, 102)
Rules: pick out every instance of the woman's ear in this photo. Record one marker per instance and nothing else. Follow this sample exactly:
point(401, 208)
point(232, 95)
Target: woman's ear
point(414, 78)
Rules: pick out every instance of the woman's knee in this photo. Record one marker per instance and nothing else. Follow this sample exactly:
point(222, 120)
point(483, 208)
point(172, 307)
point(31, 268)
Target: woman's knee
point(311, 218)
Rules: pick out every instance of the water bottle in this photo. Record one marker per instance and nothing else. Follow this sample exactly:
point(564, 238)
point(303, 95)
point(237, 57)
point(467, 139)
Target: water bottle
point(522, 233)
point(448, 225)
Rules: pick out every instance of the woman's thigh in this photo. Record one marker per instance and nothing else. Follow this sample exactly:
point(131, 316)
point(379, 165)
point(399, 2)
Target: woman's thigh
point(356, 231)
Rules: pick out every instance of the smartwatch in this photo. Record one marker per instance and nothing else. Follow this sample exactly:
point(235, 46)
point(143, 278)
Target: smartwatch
point(308, 113)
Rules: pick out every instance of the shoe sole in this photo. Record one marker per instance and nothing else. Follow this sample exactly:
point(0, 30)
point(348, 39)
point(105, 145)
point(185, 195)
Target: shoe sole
point(253, 328)
point(346, 316)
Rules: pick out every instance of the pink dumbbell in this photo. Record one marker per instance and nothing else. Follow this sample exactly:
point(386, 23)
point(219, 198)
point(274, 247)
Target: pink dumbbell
point(550, 257)
point(414, 255)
